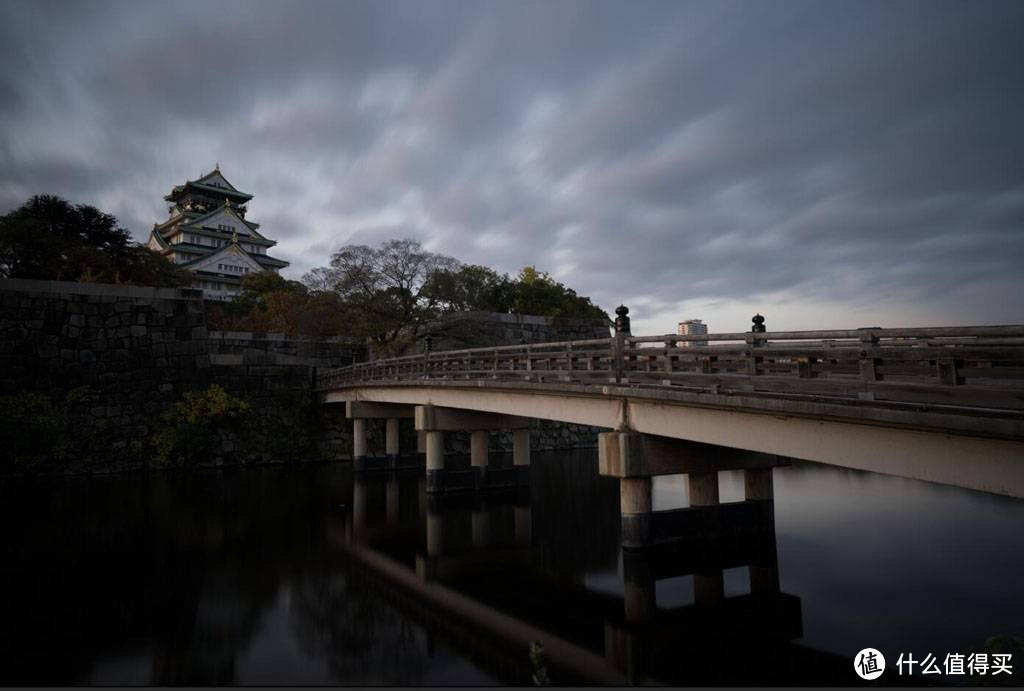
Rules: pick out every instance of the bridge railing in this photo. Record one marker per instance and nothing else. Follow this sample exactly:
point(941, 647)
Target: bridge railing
point(962, 366)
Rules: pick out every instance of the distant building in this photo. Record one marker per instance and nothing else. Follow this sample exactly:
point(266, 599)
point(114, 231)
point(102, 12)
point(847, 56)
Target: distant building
point(692, 327)
point(207, 234)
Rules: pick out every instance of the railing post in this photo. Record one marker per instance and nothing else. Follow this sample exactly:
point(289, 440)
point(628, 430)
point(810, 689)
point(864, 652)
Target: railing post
point(868, 363)
point(803, 367)
point(754, 342)
point(669, 357)
point(622, 331)
point(947, 370)
point(428, 345)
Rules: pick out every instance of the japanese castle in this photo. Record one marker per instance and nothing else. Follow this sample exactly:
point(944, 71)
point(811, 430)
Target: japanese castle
point(207, 234)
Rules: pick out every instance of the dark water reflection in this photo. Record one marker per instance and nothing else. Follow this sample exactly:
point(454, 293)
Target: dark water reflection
point(307, 575)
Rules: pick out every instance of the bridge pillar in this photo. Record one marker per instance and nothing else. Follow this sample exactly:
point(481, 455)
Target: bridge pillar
point(435, 461)
point(391, 441)
point(759, 487)
point(391, 500)
point(638, 588)
point(521, 455)
point(703, 489)
point(635, 506)
point(437, 419)
point(359, 443)
point(358, 506)
point(481, 527)
point(478, 441)
point(708, 587)
point(435, 533)
point(524, 525)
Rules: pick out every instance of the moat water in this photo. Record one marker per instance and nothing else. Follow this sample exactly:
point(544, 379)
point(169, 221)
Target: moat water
point(309, 575)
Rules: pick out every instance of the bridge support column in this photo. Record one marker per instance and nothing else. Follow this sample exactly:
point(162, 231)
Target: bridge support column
point(481, 527)
point(478, 441)
point(391, 441)
point(361, 411)
point(638, 589)
point(703, 489)
point(635, 506)
point(435, 533)
point(358, 506)
point(524, 525)
point(359, 444)
point(521, 456)
point(436, 419)
point(391, 500)
point(708, 588)
point(435, 461)
point(759, 487)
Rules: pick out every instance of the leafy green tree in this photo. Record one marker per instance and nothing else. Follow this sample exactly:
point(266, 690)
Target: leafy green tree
point(468, 287)
point(535, 292)
point(193, 426)
point(49, 238)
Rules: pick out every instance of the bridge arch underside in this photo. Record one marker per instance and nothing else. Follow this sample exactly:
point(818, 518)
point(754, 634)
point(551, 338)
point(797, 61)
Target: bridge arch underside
point(924, 443)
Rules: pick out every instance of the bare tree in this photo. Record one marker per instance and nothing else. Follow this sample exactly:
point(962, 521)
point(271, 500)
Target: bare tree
point(390, 286)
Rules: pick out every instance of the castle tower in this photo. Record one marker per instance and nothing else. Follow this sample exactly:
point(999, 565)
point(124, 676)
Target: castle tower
point(207, 234)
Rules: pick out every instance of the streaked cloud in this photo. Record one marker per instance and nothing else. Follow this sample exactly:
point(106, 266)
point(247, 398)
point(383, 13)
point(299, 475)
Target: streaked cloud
point(827, 164)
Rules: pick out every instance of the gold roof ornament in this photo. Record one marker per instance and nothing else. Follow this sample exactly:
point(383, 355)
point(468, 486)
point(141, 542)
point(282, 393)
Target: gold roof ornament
point(234, 237)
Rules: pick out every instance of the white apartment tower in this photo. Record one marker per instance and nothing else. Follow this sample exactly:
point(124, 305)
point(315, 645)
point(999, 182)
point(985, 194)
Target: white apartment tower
point(691, 327)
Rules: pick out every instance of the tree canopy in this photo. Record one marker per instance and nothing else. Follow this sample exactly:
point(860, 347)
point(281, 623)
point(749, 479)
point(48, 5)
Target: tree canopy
point(394, 291)
point(49, 238)
point(390, 295)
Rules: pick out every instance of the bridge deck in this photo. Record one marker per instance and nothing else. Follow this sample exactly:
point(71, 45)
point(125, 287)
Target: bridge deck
point(944, 404)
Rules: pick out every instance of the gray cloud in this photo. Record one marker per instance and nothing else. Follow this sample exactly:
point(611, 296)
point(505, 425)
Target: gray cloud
point(821, 162)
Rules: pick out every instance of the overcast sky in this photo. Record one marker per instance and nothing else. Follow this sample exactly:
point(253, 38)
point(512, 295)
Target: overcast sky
point(829, 164)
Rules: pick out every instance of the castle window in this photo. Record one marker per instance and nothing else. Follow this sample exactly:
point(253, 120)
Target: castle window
point(224, 226)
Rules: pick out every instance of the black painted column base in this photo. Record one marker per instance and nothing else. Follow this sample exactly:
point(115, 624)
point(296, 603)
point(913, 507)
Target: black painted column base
point(636, 531)
point(390, 462)
point(371, 463)
point(477, 479)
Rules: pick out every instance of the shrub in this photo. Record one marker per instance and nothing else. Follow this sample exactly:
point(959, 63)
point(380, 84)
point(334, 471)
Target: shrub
point(35, 431)
point(31, 429)
point(193, 427)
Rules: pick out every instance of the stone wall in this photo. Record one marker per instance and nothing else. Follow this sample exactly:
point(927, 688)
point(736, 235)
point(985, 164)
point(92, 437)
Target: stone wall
point(323, 354)
point(114, 359)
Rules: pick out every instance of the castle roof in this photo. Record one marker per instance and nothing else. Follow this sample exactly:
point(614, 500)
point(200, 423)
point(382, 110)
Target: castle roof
point(213, 182)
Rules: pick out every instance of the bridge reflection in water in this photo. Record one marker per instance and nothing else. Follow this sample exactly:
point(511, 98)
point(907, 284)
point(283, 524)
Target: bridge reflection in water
point(497, 570)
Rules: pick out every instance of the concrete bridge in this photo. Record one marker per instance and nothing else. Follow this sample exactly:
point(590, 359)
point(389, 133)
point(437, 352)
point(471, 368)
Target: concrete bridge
point(943, 405)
